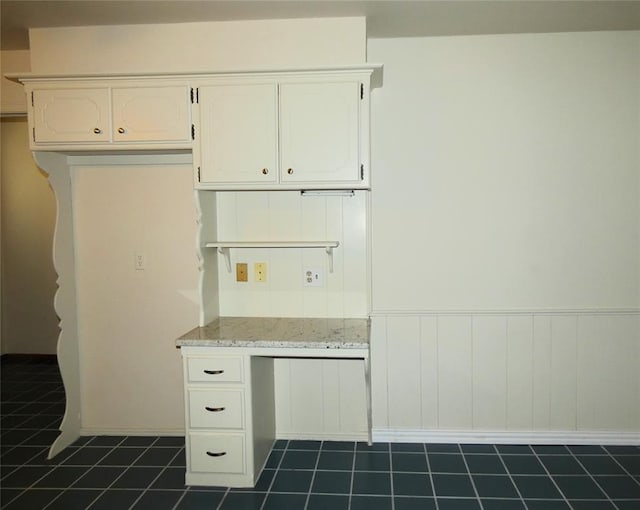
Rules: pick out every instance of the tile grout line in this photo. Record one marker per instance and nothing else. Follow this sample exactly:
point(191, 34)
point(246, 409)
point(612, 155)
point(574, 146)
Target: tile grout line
point(313, 477)
point(593, 478)
point(135, 502)
point(95, 465)
point(551, 477)
point(37, 480)
point(473, 483)
point(353, 473)
point(91, 467)
point(524, 504)
point(393, 505)
point(430, 473)
point(275, 474)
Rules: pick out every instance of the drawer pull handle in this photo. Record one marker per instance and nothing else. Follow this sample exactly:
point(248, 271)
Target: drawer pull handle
point(216, 454)
point(214, 372)
point(97, 131)
point(214, 409)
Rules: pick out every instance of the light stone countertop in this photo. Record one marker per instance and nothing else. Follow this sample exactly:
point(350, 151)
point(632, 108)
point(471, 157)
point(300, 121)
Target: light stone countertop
point(280, 332)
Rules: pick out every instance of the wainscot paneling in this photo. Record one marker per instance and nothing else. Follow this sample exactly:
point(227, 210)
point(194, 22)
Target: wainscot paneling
point(525, 376)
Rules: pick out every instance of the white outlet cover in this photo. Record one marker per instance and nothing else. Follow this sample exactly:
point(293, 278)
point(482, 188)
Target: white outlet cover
point(313, 277)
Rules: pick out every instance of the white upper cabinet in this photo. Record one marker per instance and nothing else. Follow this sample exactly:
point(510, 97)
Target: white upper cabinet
point(238, 133)
point(262, 130)
point(151, 114)
point(319, 132)
point(82, 117)
point(71, 115)
point(286, 131)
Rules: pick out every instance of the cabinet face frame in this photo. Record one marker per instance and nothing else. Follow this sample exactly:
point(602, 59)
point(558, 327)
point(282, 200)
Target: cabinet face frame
point(360, 175)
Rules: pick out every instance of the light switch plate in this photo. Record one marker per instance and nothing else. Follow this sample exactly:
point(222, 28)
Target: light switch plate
point(242, 272)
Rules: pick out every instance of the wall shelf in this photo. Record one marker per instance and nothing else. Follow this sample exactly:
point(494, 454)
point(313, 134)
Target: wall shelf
point(224, 246)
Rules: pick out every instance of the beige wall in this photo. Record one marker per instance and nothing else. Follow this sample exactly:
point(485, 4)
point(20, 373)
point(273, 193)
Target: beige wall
point(509, 299)
point(29, 323)
point(11, 93)
point(207, 46)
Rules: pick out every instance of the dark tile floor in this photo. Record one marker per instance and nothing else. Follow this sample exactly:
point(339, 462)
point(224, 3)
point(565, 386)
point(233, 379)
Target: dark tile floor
point(120, 473)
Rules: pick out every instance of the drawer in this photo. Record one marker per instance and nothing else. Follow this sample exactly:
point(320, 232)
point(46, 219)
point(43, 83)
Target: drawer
point(217, 453)
point(216, 409)
point(215, 369)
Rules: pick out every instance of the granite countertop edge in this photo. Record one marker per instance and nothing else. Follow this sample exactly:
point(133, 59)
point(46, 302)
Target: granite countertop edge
point(277, 333)
point(271, 343)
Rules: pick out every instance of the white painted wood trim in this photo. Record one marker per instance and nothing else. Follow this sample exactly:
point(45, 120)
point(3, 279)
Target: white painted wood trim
point(59, 174)
point(327, 436)
point(498, 437)
point(545, 311)
point(374, 69)
point(90, 431)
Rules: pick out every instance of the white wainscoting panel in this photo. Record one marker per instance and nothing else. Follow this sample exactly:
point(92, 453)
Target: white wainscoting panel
point(537, 375)
point(320, 399)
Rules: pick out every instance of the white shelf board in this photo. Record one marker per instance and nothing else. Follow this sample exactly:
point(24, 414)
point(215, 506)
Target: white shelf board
point(224, 246)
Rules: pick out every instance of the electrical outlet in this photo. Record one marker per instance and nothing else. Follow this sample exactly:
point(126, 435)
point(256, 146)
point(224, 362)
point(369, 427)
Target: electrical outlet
point(260, 271)
point(313, 277)
point(242, 272)
point(139, 261)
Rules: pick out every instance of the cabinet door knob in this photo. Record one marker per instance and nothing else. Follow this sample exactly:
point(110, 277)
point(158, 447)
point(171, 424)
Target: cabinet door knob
point(265, 171)
point(290, 171)
point(97, 131)
point(121, 130)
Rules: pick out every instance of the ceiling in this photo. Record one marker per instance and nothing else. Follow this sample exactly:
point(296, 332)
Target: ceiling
point(385, 18)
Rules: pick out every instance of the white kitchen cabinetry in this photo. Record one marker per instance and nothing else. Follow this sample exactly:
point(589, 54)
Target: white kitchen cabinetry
point(70, 115)
point(230, 420)
point(284, 132)
point(238, 133)
point(84, 116)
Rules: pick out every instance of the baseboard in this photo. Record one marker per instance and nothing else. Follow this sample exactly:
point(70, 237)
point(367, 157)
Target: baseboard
point(425, 436)
point(336, 436)
point(130, 432)
point(506, 437)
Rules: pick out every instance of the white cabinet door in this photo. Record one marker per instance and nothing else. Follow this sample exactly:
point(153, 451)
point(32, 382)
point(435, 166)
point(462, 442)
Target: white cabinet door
point(238, 133)
point(71, 115)
point(151, 114)
point(319, 132)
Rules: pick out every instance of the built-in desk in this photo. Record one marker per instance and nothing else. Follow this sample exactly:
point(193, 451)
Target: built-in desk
point(228, 380)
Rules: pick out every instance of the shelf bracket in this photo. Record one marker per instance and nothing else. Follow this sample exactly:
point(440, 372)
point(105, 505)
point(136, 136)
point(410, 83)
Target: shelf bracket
point(329, 250)
point(227, 258)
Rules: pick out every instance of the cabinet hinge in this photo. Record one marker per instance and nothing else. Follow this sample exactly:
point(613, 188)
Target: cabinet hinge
point(193, 131)
point(362, 91)
point(362, 172)
point(32, 100)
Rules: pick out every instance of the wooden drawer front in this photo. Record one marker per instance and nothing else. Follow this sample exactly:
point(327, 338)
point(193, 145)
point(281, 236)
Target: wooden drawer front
point(217, 453)
point(215, 369)
point(216, 409)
